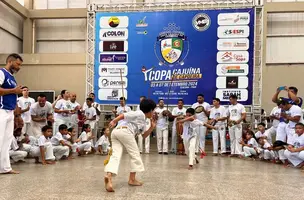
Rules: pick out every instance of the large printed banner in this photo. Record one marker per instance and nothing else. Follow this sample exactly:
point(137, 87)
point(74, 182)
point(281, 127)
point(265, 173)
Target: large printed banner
point(174, 55)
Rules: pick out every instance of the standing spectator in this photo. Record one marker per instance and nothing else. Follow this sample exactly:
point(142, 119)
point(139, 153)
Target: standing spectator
point(292, 94)
point(122, 108)
point(8, 93)
point(75, 107)
point(63, 110)
point(162, 127)
point(275, 117)
point(139, 137)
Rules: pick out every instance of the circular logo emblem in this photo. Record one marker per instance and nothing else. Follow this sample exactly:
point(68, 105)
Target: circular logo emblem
point(114, 22)
point(201, 22)
point(105, 82)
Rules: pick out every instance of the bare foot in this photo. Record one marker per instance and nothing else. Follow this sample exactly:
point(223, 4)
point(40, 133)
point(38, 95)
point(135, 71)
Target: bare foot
point(12, 172)
point(190, 167)
point(71, 158)
point(135, 183)
point(108, 184)
point(49, 162)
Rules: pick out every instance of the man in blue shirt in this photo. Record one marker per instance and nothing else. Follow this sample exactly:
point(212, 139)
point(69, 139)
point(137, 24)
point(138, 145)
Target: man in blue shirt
point(8, 101)
point(292, 95)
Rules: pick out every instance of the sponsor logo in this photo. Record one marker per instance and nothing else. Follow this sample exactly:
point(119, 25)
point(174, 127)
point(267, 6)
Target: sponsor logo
point(172, 44)
point(233, 44)
point(114, 22)
point(113, 70)
point(233, 18)
point(111, 94)
point(232, 82)
point(113, 45)
point(145, 32)
point(232, 70)
point(233, 31)
point(224, 94)
point(113, 58)
point(113, 34)
point(201, 22)
point(233, 57)
point(113, 82)
point(142, 23)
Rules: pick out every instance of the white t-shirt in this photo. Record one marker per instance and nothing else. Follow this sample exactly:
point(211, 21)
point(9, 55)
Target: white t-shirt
point(90, 113)
point(135, 121)
point(217, 113)
point(94, 104)
point(42, 140)
point(190, 128)
point(83, 137)
point(293, 112)
point(162, 121)
point(103, 141)
point(253, 142)
point(276, 111)
point(14, 145)
point(266, 145)
point(120, 110)
point(56, 139)
point(298, 141)
point(201, 116)
point(266, 133)
point(23, 103)
point(74, 117)
point(235, 111)
point(63, 105)
point(138, 107)
point(43, 112)
point(178, 112)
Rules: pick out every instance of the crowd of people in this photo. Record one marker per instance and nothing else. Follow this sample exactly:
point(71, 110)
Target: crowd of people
point(49, 132)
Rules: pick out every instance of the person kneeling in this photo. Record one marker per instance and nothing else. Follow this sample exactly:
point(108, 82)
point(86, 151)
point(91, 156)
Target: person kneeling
point(43, 150)
point(295, 153)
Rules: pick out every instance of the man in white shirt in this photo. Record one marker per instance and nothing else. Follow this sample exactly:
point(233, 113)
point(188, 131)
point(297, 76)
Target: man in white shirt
point(134, 123)
point(63, 110)
point(263, 133)
point(202, 111)
point(24, 103)
point(162, 127)
point(275, 117)
point(75, 106)
point(41, 112)
point(218, 118)
point(293, 115)
point(97, 109)
point(139, 137)
point(178, 112)
point(90, 118)
point(122, 108)
point(236, 115)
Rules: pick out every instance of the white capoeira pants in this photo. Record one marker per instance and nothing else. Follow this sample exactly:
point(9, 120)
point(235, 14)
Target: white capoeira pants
point(272, 131)
point(281, 132)
point(220, 132)
point(36, 129)
point(17, 155)
point(124, 138)
point(290, 132)
point(190, 145)
point(280, 154)
point(174, 139)
point(87, 146)
point(26, 128)
point(162, 135)
point(267, 154)
point(6, 137)
point(235, 134)
point(48, 151)
point(201, 139)
point(60, 151)
point(140, 144)
point(295, 158)
point(249, 151)
point(58, 122)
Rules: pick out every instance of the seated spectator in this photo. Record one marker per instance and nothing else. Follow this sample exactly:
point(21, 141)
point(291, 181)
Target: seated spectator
point(267, 150)
point(84, 144)
point(103, 144)
point(60, 147)
point(263, 133)
point(251, 148)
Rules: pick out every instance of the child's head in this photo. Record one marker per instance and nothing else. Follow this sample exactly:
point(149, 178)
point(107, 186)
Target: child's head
point(47, 131)
point(261, 127)
point(72, 130)
point(299, 128)
point(261, 141)
point(190, 112)
point(89, 101)
point(107, 132)
point(147, 106)
point(63, 129)
point(249, 135)
point(86, 128)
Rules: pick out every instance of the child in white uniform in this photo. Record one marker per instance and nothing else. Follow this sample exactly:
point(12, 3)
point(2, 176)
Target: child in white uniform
point(124, 136)
point(43, 150)
point(84, 145)
point(190, 130)
point(90, 117)
point(15, 151)
point(251, 148)
point(262, 133)
point(60, 148)
point(267, 152)
point(103, 143)
point(295, 152)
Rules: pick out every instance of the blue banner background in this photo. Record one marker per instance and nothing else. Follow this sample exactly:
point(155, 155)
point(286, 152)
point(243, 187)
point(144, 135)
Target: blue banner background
point(202, 54)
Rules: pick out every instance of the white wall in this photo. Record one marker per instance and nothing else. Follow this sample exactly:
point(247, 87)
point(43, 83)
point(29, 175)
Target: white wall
point(11, 26)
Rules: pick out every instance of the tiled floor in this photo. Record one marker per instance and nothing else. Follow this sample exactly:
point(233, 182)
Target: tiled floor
point(166, 177)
